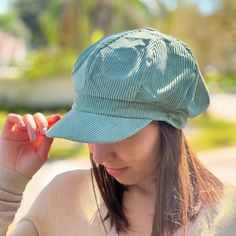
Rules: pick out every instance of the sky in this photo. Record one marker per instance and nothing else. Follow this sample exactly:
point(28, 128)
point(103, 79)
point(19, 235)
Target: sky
point(205, 6)
point(3, 6)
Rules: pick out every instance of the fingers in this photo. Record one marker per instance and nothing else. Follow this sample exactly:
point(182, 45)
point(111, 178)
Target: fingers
point(53, 119)
point(44, 148)
point(34, 124)
point(31, 127)
point(46, 143)
point(12, 120)
point(41, 123)
point(44, 123)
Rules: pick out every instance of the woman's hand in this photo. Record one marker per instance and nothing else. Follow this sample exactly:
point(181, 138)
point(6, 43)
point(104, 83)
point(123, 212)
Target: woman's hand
point(23, 145)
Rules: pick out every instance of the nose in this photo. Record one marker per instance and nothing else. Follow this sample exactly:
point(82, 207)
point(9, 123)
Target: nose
point(103, 153)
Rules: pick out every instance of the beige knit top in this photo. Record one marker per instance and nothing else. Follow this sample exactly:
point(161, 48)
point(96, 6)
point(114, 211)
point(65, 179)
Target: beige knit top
point(67, 207)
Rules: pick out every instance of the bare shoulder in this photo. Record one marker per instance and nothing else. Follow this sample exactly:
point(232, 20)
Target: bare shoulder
point(229, 200)
point(75, 182)
point(226, 218)
point(74, 176)
point(218, 218)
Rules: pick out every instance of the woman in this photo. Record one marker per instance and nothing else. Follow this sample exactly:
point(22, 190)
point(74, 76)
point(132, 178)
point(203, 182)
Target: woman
point(134, 91)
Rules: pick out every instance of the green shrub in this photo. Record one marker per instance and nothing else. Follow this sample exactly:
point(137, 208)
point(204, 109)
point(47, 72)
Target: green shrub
point(47, 63)
point(222, 82)
point(212, 133)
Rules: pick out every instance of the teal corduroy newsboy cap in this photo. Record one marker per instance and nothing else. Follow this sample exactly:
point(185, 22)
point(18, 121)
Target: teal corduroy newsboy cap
point(128, 79)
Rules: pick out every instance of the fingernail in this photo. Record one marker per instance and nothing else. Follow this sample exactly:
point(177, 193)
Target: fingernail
point(44, 131)
point(22, 124)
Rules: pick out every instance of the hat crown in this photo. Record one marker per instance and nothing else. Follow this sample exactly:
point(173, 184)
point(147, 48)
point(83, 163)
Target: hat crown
point(140, 66)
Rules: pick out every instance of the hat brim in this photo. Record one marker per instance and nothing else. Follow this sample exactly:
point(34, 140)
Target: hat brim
point(88, 127)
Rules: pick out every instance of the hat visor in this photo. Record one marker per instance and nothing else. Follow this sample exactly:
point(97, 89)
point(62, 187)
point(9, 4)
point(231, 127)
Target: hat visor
point(88, 127)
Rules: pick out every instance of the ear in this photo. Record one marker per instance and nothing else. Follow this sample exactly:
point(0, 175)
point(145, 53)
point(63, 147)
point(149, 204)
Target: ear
point(91, 147)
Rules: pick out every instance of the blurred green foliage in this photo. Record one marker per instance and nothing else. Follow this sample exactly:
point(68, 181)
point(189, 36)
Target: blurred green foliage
point(44, 63)
point(57, 153)
point(3, 115)
point(71, 23)
point(11, 23)
point(212, 133)
point(222, 83)
point(75, 24)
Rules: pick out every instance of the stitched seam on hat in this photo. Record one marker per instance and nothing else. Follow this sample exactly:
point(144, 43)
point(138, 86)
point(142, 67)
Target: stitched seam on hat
point(122, 35)
point(110, 98)
point(163, 115)
point(75, 67)
point(103, 45)
point(180, 111)
point(111, 115)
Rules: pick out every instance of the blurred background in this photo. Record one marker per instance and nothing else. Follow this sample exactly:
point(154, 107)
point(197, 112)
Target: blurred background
point(40, 40)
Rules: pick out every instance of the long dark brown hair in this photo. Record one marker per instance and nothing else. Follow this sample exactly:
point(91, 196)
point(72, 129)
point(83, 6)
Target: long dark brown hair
point(183, 186)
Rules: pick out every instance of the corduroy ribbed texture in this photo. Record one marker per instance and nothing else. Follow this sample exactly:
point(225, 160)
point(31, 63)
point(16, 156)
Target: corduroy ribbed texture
point(128, 79)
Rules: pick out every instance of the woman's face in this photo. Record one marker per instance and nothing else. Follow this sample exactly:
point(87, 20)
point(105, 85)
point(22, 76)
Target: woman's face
point(132, 160)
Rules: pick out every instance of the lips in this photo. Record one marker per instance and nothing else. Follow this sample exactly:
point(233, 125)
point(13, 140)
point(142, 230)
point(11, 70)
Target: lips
point(116, 171)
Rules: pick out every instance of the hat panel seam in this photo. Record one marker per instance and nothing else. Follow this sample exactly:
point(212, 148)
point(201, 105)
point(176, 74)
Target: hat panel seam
point(91, 100)
point(156, 115)
point(126, 91)
point(96, 47)
point(89, 71)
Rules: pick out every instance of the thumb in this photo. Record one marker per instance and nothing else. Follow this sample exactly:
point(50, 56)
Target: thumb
point(44, 148)
point(53, 119)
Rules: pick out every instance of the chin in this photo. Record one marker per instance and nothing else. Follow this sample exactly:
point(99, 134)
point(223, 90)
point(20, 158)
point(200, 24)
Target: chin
point(125, 181)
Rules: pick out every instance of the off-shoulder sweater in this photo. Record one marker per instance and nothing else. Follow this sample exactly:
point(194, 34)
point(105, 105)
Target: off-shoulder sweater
point(67, 207)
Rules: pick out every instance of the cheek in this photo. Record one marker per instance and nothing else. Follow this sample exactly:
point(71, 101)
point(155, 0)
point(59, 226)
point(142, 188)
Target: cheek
point(145, 156)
